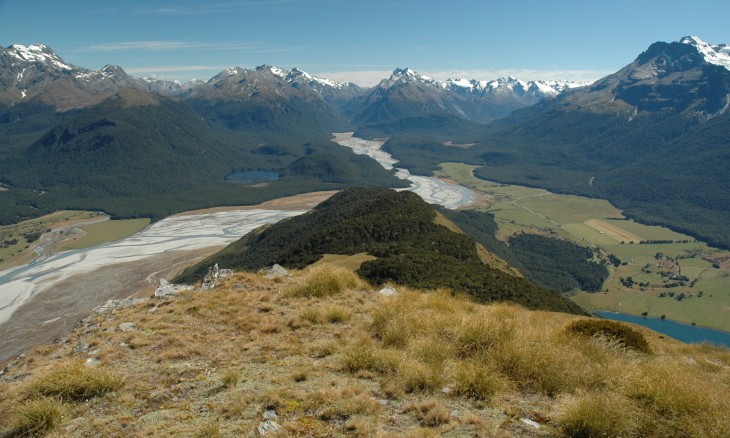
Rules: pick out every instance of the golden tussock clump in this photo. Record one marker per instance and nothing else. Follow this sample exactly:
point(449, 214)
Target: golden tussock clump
point(323, 354)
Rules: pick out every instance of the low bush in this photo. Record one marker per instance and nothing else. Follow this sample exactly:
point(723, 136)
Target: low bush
point(613, 330)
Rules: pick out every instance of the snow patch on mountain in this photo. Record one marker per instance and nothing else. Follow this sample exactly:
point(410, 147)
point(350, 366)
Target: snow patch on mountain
point(510, 85)
point(406, 76)
point(280, 72)
point(38, 53)
point(718, 54)
point(296, 75)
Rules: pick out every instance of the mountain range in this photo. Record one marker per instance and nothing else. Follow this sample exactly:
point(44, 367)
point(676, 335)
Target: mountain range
point(641, 137)
point(37, 71)
point(74, 137)
point(652, 138)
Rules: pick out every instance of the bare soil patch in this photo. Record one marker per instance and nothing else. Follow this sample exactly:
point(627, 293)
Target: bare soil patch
point(450, 143)
point(305, 201)
point(612, 231)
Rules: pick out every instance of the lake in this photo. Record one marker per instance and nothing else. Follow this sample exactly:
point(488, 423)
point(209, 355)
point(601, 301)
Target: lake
point(682, 332)
point(252, 176)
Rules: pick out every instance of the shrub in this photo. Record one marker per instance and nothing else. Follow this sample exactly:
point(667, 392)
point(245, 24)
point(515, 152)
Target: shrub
point(323, 281)
point(74, 382)
point(614, 330)
point(37, 416)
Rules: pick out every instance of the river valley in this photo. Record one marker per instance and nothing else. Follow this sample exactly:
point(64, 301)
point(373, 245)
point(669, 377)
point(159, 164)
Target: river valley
point(43, 300)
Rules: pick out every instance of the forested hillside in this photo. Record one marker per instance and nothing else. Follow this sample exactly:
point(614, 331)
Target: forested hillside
point(397, 228)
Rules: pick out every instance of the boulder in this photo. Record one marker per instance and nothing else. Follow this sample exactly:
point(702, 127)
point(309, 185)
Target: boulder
point(167, 289)
point(276, 271)
point(388, 291)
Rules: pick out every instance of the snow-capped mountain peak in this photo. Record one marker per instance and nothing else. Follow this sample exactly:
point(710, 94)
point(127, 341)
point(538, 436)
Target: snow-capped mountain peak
point(410, 74)
point(714, 54)
point(280, 72)
point(407, 76)
point(509, 86)
point(38, 53)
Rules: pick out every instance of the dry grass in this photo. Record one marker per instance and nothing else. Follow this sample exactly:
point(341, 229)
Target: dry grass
point(342, 360)
point(36, 417)
point(430, 413)
point(324, 281)
point(74, 381)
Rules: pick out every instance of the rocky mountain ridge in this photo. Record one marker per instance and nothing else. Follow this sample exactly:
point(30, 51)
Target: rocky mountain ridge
point(35, 70)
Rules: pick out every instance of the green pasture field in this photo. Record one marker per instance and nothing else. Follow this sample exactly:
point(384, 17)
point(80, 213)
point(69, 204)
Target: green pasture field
point(106, 231)
point(351, 262)
point(18, 253)
point(565, 216)
point(584, 235)
point(649, 232)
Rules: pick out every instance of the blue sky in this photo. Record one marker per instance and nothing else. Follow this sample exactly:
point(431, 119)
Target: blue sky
point(361, 41)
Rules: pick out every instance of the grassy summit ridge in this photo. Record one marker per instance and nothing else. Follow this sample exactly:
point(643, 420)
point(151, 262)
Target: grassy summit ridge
point(350, 362)
point(396, 227)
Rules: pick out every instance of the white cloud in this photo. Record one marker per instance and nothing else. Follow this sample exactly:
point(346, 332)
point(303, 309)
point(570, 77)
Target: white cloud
point(524, 74)
point(368, 78)
point(174, 69)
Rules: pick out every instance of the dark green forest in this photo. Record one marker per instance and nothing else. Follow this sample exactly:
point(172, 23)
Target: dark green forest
point(552, 263)
point(159, 158)
point(660, 169)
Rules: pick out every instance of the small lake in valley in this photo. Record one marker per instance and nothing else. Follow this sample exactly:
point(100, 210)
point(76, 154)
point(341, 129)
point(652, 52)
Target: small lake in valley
point(682, 332)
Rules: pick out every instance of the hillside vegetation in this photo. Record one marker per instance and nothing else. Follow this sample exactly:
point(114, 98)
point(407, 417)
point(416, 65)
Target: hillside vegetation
point(342, 360)
point(141, 155)
point(399, 229)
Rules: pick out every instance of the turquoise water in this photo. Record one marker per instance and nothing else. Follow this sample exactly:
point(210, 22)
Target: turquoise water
point(252, 176)
point(683, 332)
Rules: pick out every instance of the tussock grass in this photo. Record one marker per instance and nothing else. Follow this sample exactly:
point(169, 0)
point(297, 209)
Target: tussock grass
point(36, 417)
point(600, 414)
point(323, 281)
point(335, 314)
point(74, 381)
point(230, 378)
point(356, 363)
point(363, 355)
point(430, 413)
point(477, 381)
point(416, 376)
